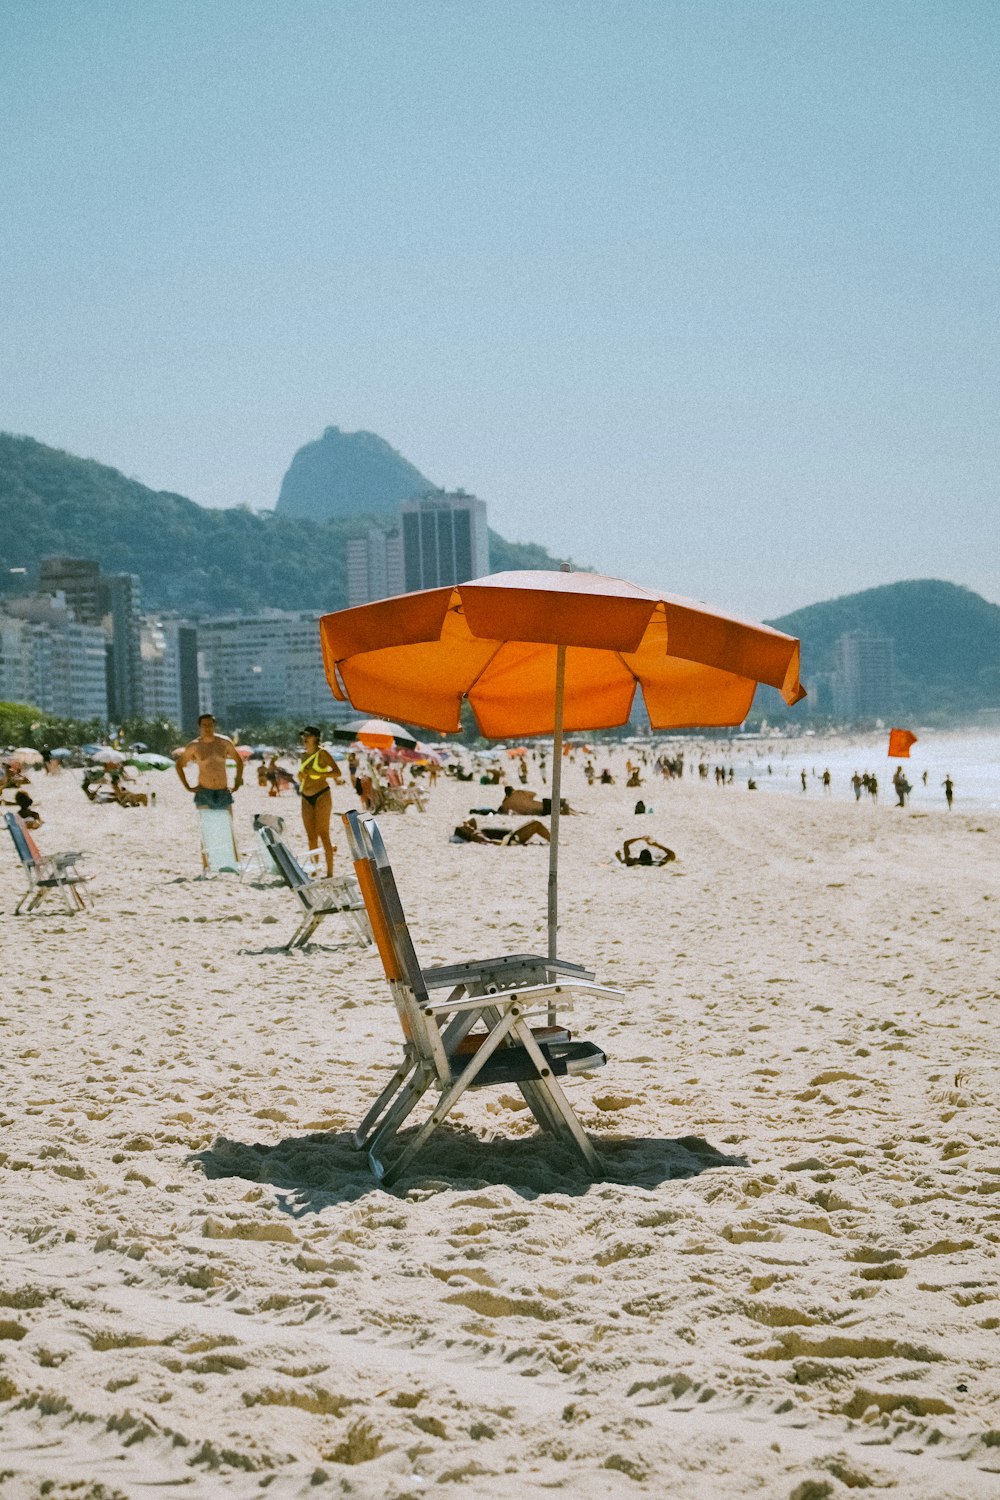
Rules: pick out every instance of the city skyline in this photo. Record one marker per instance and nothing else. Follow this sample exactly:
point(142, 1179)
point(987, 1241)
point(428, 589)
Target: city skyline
point(701, 295)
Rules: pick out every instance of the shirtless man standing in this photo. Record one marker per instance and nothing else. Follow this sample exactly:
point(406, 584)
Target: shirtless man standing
point(211, 751)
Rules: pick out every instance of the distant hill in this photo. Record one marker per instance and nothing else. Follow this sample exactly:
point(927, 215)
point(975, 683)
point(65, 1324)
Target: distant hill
point(346, 474)
point(189, 558)
point(947, 643)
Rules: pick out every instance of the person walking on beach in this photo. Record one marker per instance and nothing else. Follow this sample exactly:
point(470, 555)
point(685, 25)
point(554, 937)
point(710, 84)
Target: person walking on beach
point(857, 784)
point(316, 768)
point(802, 777)
point(211, 751)
point(949, 791)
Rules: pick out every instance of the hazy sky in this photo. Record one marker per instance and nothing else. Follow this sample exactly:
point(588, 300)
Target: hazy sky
point(703, 293)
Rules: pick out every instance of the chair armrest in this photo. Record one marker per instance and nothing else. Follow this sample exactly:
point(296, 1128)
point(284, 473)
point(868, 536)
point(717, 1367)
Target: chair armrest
point(526, 996)
point(61, 861)
point(438, 977)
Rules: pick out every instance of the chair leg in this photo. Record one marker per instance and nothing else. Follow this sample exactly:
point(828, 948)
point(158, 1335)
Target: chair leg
point(303, 932)
point(572, 1130)
point(537, 1101)
point(364, 1130)
point(388, 1173)
point(72, 897)
point(390, 1125)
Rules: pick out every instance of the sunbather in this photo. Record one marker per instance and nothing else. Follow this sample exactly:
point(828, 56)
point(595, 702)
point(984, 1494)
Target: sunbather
point(517, 801)
point(470, 832)
point(27, 811)
point(645, 855)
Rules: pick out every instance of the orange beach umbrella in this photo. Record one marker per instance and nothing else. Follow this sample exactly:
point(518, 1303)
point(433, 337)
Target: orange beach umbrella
point(535, 652)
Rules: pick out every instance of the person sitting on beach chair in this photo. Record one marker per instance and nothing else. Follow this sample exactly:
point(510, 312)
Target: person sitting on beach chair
point(470, 832)
point(645, 856)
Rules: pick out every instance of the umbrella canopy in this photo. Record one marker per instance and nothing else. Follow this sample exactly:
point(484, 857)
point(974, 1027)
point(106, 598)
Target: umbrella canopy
point(105, 756)
point(150, 761)
point(376, 734)
point(26, 756)
point(495, 641)
point(535, 652)
point(62, 754)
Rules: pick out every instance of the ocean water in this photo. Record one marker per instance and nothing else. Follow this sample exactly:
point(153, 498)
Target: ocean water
point(972, 759)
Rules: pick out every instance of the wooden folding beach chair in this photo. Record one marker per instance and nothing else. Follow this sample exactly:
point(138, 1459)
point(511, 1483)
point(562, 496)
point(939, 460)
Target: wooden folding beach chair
point(45, 872)
point(318, 898)
point(479, 1036)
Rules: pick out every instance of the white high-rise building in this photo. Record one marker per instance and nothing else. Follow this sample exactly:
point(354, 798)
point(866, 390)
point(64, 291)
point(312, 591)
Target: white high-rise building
point(48, 659)
point(864, 675)
point(266, 667)
point(374, 566)
point(15, 662)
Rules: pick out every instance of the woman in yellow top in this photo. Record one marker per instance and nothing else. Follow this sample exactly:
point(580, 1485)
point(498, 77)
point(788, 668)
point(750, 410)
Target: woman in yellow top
point(316, 768)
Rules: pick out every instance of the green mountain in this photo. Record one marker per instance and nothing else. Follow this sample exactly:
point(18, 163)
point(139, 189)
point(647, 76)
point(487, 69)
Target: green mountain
point(189, 558)
point(346, 474)
point(947, 644)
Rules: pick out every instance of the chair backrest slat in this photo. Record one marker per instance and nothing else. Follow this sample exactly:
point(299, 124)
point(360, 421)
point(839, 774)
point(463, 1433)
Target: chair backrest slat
point(393, 907)
point(392, 938)
point(289, 868)
point(27, 850)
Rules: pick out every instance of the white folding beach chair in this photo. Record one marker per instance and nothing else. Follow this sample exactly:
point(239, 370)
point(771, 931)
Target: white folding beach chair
point(45, 872)
point(480, 1035)
point(259, 862)
point(318, 898)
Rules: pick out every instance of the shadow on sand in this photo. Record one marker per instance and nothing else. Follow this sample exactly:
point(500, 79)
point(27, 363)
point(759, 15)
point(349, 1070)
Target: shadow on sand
point(311, 1172)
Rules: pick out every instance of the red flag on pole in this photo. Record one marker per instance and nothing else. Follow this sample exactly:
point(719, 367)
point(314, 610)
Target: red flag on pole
point(900, 741)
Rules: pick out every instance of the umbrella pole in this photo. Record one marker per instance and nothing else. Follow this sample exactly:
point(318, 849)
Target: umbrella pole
point(557, 756)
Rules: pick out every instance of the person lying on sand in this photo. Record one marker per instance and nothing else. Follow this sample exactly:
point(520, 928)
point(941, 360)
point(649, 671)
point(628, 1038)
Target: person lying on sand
point(517, 801)
point(470, 832)
point(646, 855)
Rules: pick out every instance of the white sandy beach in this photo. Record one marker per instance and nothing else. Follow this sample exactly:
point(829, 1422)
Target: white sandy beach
point(787, 1285)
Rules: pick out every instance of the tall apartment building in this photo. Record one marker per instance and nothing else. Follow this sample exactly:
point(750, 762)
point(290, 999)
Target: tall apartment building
point(374, 566)
point(49, 659)
point(174, 683)
point(445, 539)
point(120, 605)
point(110, 601)
point(863, 680)
point(15, 665)
point(78, 579)
point(267, 667)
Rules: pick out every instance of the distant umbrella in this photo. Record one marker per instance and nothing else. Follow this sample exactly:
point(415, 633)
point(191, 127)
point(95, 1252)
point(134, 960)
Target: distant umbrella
point(105, 756)
point(150, 762)
point(62, 754)
point(26, 756)
point(376, 734)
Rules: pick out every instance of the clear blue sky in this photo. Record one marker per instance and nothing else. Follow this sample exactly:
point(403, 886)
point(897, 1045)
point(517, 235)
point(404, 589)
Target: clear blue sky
point(703, 293)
